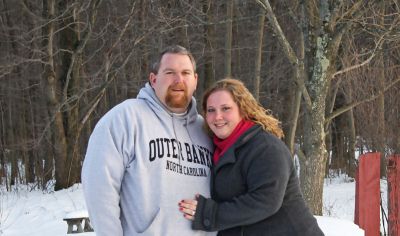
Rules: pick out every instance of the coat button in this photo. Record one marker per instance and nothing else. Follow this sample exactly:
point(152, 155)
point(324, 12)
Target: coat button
point(207, 222)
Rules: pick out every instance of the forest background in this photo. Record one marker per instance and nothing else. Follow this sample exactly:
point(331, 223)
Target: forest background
point(329, 70)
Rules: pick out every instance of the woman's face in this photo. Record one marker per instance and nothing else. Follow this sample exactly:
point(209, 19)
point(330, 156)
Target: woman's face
point(222, 114)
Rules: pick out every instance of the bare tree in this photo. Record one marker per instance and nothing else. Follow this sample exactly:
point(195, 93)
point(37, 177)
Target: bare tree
point(326, 29)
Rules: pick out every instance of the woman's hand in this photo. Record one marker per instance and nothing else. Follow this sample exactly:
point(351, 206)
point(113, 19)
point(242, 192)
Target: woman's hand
point(188, 208)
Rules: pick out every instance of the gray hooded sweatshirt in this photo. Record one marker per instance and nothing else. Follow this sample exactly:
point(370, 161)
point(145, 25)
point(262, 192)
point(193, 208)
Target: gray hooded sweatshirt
point(140, 162)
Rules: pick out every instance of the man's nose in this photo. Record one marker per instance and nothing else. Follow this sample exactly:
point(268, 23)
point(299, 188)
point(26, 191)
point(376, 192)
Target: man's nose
point(178, 78)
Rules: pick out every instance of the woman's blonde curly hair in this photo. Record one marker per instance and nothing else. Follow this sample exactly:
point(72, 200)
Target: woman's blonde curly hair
point(249, 108)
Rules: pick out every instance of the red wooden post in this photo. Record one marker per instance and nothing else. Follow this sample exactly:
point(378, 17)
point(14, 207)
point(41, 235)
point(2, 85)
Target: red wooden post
point(367, 206)
point(394, 195)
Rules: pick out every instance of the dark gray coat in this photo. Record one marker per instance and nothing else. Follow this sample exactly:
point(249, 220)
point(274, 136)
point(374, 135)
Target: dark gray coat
point(255, 191)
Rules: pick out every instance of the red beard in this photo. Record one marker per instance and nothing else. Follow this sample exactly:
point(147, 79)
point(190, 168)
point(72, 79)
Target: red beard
point(177, 99)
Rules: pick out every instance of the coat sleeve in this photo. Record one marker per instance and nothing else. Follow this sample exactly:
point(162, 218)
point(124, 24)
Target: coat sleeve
point(102, 174)
point(266, 177)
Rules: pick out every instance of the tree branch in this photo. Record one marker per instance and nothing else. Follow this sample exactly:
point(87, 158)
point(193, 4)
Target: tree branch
point(342, 110)
point(29, 12)
point(373, 54)
point(355, 13)
point(81, 45)
point(290, 54)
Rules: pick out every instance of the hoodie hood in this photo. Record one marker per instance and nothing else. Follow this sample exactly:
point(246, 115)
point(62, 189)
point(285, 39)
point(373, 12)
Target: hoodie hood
point(147, 93)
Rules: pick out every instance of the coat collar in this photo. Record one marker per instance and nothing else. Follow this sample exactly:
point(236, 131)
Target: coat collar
point(229, 156)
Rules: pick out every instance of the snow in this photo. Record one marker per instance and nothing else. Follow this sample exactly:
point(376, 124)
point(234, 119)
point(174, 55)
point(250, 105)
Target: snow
point(338, 227)
point(37, 213)
point(77, 214)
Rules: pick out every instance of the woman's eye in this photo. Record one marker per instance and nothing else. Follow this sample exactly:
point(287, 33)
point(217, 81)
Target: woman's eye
point(209, 110)
point(226, 108)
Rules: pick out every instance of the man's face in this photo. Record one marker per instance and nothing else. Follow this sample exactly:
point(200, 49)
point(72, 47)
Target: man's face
point(175, 82)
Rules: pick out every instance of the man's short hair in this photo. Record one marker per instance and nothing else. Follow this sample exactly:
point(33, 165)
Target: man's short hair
point(174, 49)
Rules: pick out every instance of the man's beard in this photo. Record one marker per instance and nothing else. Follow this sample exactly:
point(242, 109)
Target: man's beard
point(177, 99)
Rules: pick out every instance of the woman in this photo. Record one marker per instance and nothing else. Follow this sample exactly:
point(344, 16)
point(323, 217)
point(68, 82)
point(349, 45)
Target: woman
point(254, 186)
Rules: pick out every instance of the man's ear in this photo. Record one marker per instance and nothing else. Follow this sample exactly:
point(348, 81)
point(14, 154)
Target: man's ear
point(196, 77)
point(152, 78)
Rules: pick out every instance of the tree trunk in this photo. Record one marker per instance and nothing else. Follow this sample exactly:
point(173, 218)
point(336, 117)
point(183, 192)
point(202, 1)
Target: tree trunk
point(331, 139)
point(313, 168)
point(314, 129)
point(32, 151)
point(338, 158)
point(380, 121)
point(299, 74)
point(209, 58)
point(50, 79)
point(228, 38)
point(70, 74)
point(48, 165)
point(352, 142)
point(11, 152)
point(25, 138)
point(294, 111)
point(258, 59)
point(14, 130)
point(3, 167)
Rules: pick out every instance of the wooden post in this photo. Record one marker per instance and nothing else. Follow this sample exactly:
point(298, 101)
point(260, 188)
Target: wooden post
point(367, 205)
point(393, 171)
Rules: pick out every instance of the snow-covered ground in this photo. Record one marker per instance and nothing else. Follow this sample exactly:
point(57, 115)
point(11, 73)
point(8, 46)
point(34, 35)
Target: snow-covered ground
point(37, 213)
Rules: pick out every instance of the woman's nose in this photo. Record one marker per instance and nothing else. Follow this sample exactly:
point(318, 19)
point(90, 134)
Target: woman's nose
point(218, 115)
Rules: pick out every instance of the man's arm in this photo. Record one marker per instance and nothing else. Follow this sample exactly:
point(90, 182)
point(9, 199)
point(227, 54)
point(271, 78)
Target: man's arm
point(102, 174)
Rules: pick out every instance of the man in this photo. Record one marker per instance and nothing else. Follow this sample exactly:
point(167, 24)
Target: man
point(148, 153)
